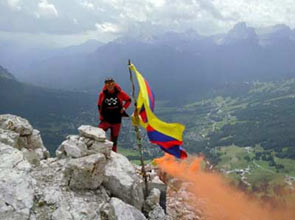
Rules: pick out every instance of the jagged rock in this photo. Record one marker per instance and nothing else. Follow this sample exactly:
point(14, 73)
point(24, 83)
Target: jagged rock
point(87, 141)
point(76, 146)
point(55, 200)
point(61, 213)
point(31, 156)
point(35, 187)
point(86, 172)
point(16, 124)
point(34, 140)
point(123, 211)
point(22, 142)
point(158, 184)
point(11, 158)
point(42, 152)
point(122, 181)
point(152, 207)
point(152, 200)
point(181, 204)
point(102, 147)
point(157, 213)
point(92, 133)
point(9, 137)
point(72, 147)
point(16, 192)
point(18, 132)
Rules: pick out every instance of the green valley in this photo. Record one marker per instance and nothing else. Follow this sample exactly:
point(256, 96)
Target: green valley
point(246, 130)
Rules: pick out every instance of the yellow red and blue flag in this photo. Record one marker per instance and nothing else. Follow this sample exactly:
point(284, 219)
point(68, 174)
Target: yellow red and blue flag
point(168, 136)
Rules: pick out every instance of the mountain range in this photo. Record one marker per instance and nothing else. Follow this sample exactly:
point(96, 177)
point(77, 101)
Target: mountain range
point(176, 64)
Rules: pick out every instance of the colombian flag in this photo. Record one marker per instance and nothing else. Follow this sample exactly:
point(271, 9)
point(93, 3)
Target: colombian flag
point(168, 136)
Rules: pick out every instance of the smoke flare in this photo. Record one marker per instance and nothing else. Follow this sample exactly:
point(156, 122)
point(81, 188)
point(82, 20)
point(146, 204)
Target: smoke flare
point(222, 201)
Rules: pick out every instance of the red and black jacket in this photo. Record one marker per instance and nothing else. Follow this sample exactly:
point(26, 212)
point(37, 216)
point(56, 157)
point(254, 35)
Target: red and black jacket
point(110, 104)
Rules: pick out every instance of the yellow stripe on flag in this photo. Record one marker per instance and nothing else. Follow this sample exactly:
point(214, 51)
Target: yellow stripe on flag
point(174, 130)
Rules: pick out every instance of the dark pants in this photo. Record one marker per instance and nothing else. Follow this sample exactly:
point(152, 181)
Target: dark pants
point(115, 130)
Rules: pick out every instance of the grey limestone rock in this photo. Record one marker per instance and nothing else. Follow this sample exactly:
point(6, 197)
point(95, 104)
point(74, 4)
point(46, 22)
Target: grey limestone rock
point(72, 147)
point(123, 211)
point(16, 124)
point(92, 132)
point(86, 172)
point(122, 181)
point(16, 191)
point(9, 137)
point(19, 133)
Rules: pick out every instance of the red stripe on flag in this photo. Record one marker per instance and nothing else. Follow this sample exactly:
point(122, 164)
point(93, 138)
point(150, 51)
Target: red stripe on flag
point(167, 144)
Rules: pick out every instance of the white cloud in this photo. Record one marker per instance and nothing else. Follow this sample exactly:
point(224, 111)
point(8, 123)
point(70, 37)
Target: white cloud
point(107, 19)
point(157, 3)
point(75, 21)
point(87, 5)
point(107, 27)
point(46, 9)
point(14, 4)
point(258, 13)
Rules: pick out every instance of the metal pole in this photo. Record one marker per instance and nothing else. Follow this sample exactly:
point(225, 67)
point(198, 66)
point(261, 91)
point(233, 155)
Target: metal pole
point(138, 135)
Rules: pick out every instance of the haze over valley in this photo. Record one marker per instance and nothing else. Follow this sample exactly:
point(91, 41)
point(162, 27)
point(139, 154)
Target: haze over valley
point(226, 73)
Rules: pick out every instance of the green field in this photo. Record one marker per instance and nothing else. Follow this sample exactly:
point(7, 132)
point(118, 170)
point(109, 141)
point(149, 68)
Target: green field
point(261, 176)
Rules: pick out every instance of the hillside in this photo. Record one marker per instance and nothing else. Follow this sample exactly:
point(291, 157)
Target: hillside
point(55, 113)
point(245, 130)
point(4, 74)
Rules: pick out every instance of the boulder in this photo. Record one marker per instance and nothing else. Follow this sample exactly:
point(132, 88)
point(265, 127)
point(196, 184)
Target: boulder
point(16, 124)
point(11, 158)
point(157, 213)
point(92, 133)
point(31, 156)
point(61, 213)
point(9, 138)
point(18, 133)
point(122, 181)
point(16, 192)
point(76, 146)
point(158, 184)
point(152, 200)
point(152, 207)
point(72, 147)
point(102, 147)
point(86, 172)
point(35, 140)
point(54, 199)
point(123, 211)
point(42, 153)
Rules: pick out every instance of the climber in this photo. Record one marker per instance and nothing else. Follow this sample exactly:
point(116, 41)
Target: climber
point(112, 104)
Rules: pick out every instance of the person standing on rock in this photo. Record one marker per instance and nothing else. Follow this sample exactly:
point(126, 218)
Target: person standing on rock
point(112, 104)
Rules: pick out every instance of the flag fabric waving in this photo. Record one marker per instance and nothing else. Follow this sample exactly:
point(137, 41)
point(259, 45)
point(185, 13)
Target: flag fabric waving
point(168, 136)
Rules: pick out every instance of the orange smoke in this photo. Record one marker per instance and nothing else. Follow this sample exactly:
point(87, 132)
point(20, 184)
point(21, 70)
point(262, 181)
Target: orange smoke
point(222, 201)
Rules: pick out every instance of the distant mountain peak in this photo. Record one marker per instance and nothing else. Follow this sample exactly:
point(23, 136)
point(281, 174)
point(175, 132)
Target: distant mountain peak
point(281, 27)
point(5, 74)
point(242, 31)
point(281, 31)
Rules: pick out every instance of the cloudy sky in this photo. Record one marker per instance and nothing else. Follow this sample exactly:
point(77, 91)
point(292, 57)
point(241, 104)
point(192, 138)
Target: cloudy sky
point(64, 22)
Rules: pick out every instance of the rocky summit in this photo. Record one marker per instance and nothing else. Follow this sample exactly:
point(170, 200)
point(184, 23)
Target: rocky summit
point(86, 180)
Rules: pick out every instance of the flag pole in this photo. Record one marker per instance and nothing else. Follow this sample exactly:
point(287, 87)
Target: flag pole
point(138, 135)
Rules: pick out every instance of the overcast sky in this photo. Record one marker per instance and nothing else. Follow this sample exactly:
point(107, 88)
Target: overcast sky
point(64, 22)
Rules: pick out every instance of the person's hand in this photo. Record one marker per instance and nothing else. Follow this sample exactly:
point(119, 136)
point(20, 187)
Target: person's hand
point(122, 110)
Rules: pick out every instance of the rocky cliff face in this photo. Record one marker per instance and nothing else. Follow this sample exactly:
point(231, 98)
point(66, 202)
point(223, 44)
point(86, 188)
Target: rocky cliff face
point(85, 181)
